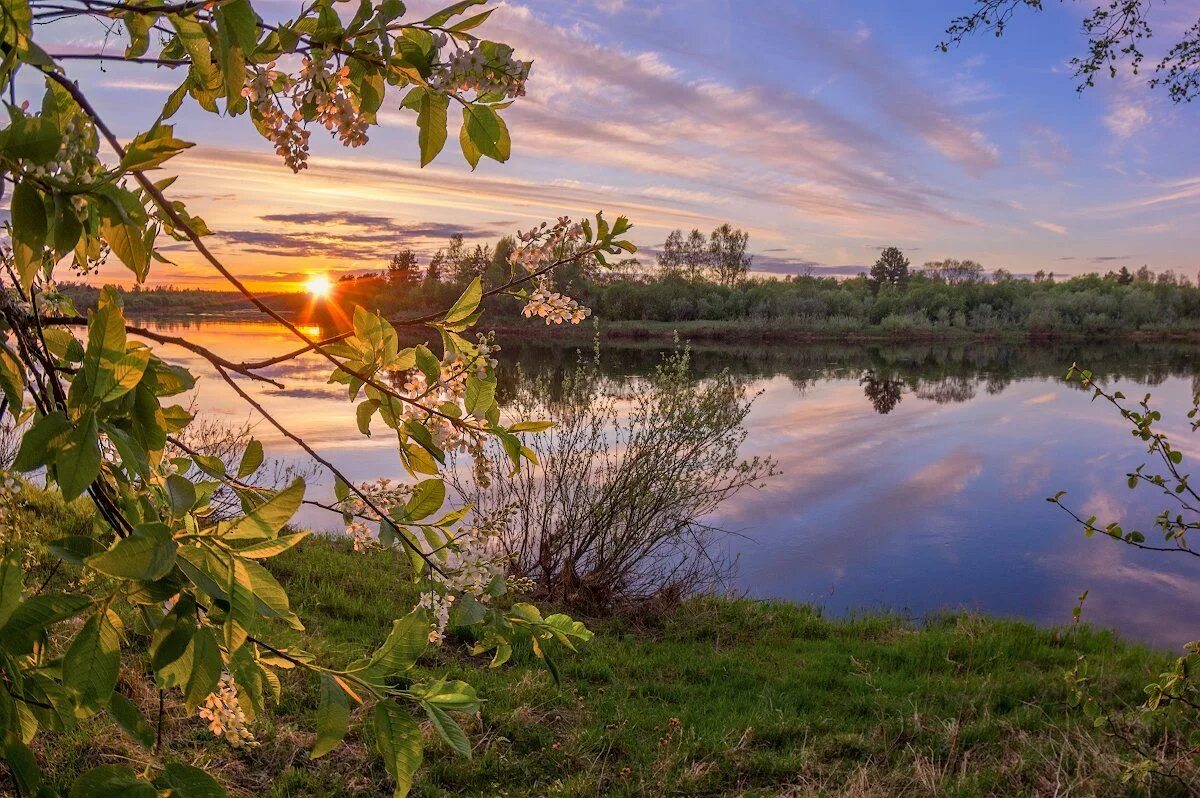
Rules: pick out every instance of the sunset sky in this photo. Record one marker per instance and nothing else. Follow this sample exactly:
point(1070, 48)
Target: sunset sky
point(827, 130)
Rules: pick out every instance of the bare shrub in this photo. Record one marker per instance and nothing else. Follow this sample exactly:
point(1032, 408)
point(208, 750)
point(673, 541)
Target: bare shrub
point(616, 510)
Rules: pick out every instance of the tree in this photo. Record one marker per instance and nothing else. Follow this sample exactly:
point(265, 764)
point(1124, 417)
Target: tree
point(727, 256)
point(954, 271)
point(1116, 32)
point(696, 255)
point(670, 257)
point(208, 619)
point(436, 267)
point(1124, 276)
point(403, 268)
point(1001, 276)
point(891, 268)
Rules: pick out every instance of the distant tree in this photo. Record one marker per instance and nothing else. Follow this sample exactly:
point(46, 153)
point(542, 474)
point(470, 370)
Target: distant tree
point(1001, 276)
point(890, 269)
point(727, 256)
point(1124, 276)
point(954, 271)
point(670, 258)
point(403, 268)
point(696, 255)
point(1116, 31)
point(436, 268)
point(1144, 275)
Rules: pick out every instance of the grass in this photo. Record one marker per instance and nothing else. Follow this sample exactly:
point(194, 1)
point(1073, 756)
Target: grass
point(715, 697)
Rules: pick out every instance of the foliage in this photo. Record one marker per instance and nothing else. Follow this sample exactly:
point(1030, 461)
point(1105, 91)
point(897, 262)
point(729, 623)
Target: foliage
point(1116, 32)
point(891, 268)
point(628, 473)
point(161, 569)
point(1174, 697)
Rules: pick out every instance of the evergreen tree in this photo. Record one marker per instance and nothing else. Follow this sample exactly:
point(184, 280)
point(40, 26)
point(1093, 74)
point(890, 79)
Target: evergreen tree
point(890, 269)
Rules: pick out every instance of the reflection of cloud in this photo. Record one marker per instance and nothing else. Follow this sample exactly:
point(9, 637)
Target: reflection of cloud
point(945, 477)
point(1041, 399)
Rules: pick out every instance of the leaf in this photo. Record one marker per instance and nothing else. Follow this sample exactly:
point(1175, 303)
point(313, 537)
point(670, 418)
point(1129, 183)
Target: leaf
point(206, 666)
point(111, 781)
point(150, 149)
point(269, 548)
point(28, 231)
point(431, 108)
point(333, 717)
point(131, 720)
point(426, 499)
point(404, 644)
point(123, 233)
point(483, 132)
point(38, 613)
point(42, 441)
point(185, 781)
point(242, 606)
point(448, 729)
point(146, 555)
point(181, 493)
point(398, 740)
point(268, 518)
point(252, 458)
point(479, 395)
point(91, 664)
point(23, 767)
point(467, 304)
point(10, 586)
point(446, 14)
point(77, 464)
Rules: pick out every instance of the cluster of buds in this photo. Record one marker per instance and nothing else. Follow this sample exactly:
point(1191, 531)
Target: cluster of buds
point(490, 71)
point(76, 161)
point(554, 307)
point(360, 536)
point(284, 130)
point(224, 714)
point(545, 243)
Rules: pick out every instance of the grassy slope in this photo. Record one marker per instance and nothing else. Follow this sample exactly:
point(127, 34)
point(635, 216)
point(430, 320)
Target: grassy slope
point(715, 698)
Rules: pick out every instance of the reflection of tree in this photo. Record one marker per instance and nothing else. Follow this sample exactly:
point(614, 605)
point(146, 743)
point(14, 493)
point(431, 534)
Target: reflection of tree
point(884, 393)
point(948, 391)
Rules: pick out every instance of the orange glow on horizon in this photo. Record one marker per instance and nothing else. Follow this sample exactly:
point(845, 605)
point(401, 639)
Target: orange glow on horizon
point(319, 286)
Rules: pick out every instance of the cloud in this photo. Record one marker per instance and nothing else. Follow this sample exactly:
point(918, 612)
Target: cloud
point(1126, 117)
point(1043, 149)
point(1051, 227)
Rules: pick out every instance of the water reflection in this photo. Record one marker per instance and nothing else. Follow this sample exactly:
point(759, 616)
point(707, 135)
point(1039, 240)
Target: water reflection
point(913, 478)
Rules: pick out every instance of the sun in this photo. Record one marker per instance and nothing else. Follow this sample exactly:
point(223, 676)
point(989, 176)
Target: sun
point(319, 286)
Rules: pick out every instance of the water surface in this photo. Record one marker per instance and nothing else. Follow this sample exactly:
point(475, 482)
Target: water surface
point(913, 478)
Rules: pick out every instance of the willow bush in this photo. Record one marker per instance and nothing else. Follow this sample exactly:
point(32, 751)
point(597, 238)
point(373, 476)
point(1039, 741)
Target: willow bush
point(163, 585)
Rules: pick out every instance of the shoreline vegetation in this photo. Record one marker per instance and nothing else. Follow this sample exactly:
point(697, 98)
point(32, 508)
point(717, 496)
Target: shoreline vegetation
point(710, 696)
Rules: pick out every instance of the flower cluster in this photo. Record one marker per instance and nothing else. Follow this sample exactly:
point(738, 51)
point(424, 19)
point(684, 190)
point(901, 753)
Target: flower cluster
point(284, 130)
point(471, 69)
point(438, 606)
point(544, 244)
point(224, 714)
point(554, 307)
point(322, 89)
point(76, 161)
point(473, 562)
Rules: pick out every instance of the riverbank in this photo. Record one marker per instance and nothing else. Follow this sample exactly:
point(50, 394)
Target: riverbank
point(713, 697)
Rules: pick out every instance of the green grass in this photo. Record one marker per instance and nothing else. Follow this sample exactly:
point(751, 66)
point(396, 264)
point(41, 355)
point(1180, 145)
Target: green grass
point(714, 697)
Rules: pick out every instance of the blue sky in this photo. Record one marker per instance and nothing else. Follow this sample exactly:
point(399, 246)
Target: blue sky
point(827, 130)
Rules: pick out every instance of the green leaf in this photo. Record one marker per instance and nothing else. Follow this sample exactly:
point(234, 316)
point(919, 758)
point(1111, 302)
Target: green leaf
point(111, 781)
point(531, 426)
point(131, 720)
point(146, 555)
point(483, 133)
point(77, 464)
point(467, 304)
point(446, 14)
point(93, 661)
point(398, 739)
point(268, 518)
point(42, 441)
point(10, 586)
point(181, 493)
point(404, 644)
point(206, 666)
point(431, 108)
point(121, 229)
point(333, 716)
point(29, 229)
point(252, 458)
point(38, 613)
point(185, 781)
point(23, 767)
point(150, 149)
point(448, 729)
point(479, 395)
point(427, 498)
point(269, 548)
